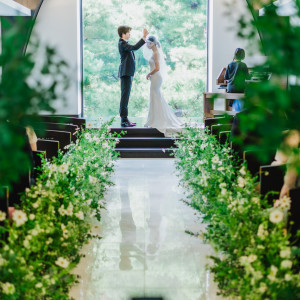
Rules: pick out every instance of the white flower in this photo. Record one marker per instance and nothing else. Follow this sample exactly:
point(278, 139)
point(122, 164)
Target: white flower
point(53, 168)
point(276, 216)
point(244, 260)
point(262, 288)
point(65, 233)
point(204, 198)
point(63, 168)
point(285, 253)
point(285, 200)
point(220, 169)
point(89, 125)
point(262, 232)
point(105, 145)
point(215, 159)
point(31, 217)
point(62, 211)
point(223, 192)
point(252, 258)
point(286, 264)
point(26, 244)
point(285, 206)
point(273, 270)
point(2, 261)
point(69, 210)
point(34, 232)
point(203, 146)
point(35, 204)
point(38, 285)
point(49, 241)
point(79, 215)
point(241, 181)
point(2, 215)
point(255, 200)
point(287, 277)
point(62, 262)
point(96, 165)
point(92, 179)
point(19, 217)
point(243, 170)
point(8, 288)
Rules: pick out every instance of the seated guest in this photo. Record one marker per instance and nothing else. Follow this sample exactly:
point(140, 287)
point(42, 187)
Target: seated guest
point(235, 75)
point(291, 178)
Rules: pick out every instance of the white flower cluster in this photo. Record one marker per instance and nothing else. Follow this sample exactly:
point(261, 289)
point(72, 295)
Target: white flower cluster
point(66, 212)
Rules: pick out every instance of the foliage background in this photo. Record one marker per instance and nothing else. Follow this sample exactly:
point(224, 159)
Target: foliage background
point(24, 94)
point(273, 106)
point(182, 33)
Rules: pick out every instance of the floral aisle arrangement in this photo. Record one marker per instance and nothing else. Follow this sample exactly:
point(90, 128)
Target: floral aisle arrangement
point(255, 259)
point(40, 246)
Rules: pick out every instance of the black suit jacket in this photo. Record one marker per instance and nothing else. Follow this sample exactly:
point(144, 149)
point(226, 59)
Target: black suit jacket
point(127, 66)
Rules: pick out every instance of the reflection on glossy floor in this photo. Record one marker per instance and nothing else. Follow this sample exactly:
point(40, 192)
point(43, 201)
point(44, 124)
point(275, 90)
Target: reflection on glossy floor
point(144, 250)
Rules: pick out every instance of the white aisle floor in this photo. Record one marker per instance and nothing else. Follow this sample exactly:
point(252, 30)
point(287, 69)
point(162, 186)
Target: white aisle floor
point(145, 251)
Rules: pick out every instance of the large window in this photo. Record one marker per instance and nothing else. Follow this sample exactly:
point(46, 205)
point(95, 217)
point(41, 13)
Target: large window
point(180, 26)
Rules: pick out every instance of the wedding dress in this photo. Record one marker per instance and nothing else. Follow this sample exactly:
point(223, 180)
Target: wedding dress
point(160, 115)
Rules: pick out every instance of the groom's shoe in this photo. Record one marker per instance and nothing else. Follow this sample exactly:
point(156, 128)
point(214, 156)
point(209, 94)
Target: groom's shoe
point(132, 123)
point(127, 124)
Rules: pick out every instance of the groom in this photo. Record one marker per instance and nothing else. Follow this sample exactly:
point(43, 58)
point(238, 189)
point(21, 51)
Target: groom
point(127, 69)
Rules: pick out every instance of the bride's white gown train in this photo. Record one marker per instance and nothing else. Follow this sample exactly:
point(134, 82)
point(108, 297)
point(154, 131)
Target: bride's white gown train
point(160, 115)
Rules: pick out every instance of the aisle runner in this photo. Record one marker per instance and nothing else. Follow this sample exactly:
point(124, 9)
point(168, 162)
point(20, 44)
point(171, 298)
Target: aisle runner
point(144, 250)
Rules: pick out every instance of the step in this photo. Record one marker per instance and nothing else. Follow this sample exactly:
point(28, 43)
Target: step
point(138, 132)
point(146, 152)
point(146, 142)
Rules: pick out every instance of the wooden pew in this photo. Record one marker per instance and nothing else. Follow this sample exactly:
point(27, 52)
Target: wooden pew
point(213, 121)
point(37, 159)
point(253, 163)
point(80, 122)
point(4, 196)
point(59, 127)
point(216, 129)
point(51, 147)
point(224, 137)
point(294, 213)
point(18, 188)
point(271, 179)
point(64, 137)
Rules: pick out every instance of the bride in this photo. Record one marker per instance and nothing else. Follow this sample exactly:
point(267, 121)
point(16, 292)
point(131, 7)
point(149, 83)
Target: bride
point(160, 115)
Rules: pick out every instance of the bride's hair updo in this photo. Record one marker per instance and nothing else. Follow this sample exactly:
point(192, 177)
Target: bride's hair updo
point(153, 39)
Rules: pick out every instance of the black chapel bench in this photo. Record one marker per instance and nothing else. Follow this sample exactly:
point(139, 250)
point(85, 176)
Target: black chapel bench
point(64, 137)
point(271, 180)
point(58, 127)
point(80, 122)
point(51, 147)
point(37, 160)
point(4, 196)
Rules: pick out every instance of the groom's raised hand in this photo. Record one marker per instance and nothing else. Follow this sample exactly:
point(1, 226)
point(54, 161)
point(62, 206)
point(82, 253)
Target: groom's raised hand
point(145, 33)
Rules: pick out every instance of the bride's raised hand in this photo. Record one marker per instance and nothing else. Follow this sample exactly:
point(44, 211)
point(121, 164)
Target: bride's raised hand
point(148, 76)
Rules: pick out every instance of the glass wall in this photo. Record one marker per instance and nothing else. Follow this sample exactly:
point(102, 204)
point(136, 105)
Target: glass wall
point(180, 26)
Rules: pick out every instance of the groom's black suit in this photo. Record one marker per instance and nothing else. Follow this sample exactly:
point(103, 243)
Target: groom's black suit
point(126, 72)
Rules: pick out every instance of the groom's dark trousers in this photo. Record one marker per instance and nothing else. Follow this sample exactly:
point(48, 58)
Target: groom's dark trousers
point(126, 73)
point(126, 83)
